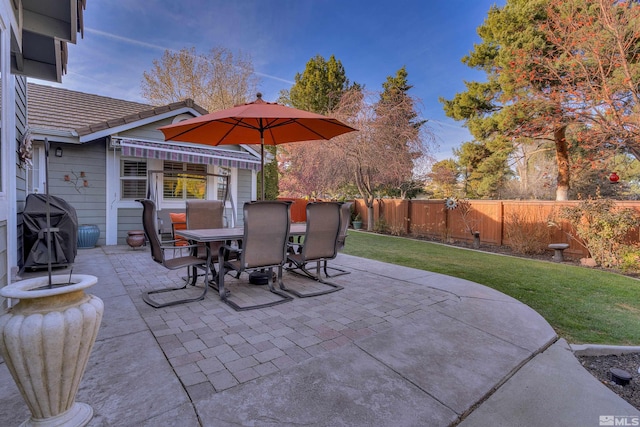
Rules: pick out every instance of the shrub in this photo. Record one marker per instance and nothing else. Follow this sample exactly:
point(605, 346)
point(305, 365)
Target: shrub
point(465, 210)
point(420, 230)
point(601, 228)
point(396, 230)
point(527, 232)
point(630, 259)
point(380, 226)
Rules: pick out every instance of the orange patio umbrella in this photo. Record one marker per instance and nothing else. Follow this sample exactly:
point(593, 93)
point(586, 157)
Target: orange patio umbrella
point(257, 122)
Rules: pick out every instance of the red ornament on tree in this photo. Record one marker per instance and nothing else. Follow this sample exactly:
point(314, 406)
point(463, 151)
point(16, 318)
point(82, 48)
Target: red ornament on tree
point(614, 178)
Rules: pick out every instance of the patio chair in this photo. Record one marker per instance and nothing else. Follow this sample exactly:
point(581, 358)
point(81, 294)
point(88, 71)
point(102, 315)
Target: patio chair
point(264, 247)
point(319, 245)
point(178, 222)
point(345, 216)
point(206, 214)
point(159, 253)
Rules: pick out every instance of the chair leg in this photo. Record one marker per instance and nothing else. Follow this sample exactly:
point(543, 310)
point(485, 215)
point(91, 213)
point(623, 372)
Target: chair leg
point(340, 271)
point(225, 294)
point(192, 276)
point(333, 287)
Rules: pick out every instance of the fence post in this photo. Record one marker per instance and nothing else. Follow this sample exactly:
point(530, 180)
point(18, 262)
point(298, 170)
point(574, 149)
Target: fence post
point(407, 221)
point(501, 222)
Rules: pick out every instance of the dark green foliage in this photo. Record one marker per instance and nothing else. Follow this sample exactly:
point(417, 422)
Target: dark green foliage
point(319, 88)
point(601, 228)
point(270, 175)
point(484, 167)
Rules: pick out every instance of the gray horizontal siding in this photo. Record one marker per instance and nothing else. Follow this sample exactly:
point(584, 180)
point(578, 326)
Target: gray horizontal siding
point(88, 201)
point(128, 219)
point(244, 191)
point(20, 181)
point(4, 269)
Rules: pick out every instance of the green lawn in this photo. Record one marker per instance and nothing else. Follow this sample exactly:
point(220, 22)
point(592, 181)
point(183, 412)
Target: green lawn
point(583, 305)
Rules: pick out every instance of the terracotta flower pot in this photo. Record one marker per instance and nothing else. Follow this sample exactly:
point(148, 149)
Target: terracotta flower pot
point(46, 340)
point(135, 238)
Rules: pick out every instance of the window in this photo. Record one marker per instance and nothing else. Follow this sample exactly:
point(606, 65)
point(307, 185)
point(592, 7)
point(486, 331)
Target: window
point(184, 181)
point(222, 184)
point(133, 179)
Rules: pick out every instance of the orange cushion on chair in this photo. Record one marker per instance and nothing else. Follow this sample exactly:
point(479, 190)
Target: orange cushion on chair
point(179, 222)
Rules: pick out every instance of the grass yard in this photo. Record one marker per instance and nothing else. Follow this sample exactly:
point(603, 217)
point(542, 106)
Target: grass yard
point(583, 305)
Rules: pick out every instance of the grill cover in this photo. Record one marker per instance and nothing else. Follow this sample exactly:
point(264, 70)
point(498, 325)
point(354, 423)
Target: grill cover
point(64, 241)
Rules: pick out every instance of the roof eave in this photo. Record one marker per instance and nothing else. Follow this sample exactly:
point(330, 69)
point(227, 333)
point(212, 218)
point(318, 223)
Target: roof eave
point(42, 58)
point(101, 130)
point(55, 18)
point(38, 44)
point(54, 135)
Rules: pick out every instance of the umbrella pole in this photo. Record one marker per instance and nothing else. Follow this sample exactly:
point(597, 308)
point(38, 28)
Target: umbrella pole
point(262, 171)
point(262, 160)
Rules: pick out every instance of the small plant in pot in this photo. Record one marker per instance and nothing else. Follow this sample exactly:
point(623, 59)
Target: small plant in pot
point(356, 222)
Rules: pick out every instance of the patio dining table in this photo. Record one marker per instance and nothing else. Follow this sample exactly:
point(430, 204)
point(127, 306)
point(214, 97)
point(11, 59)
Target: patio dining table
point(208, 235)
point(205, 235)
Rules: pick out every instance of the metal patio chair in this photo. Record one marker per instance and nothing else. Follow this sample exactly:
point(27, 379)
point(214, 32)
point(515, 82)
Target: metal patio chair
point(264, 247)
point(159, 253)
point(206, 214)
point(319, 245)
point(345, 217)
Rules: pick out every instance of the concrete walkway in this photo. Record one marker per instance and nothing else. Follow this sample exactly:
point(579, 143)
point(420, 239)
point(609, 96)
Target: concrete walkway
point(396, 347)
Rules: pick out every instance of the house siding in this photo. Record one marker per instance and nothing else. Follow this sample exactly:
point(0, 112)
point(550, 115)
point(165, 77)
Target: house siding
point(89, 200)
point(128, 219)
point(147, 132)
point(244, 191)
point(4, 273)
point(21, 172)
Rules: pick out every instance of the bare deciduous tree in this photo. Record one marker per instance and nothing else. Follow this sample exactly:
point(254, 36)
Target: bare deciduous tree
point(214, 81)
point(380, 154)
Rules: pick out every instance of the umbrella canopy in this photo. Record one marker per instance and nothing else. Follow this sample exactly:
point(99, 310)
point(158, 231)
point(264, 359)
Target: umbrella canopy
point(257, 122)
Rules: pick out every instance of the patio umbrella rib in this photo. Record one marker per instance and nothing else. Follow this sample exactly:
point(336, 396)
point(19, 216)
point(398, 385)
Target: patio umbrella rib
point(179, 134)
point(235, 123)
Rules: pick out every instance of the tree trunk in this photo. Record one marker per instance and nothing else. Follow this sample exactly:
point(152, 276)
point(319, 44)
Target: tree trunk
point(370, 221)
point(365, 190)
point(562, 159)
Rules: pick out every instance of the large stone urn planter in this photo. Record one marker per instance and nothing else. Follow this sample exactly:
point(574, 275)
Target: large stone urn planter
point(46, 340)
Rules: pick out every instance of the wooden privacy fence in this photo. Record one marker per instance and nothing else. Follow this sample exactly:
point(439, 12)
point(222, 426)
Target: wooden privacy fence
point(298, 209)
point(495, 220)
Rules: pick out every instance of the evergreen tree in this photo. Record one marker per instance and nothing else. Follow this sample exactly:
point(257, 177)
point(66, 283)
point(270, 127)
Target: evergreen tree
point(398, 126)
point(319, 88)
point(556, 68)
point(271, 177)
point(483, 168)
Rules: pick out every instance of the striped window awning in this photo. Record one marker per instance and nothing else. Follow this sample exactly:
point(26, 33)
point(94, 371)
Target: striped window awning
point(180, 153)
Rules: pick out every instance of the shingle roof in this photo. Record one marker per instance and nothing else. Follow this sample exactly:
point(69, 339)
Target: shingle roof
point(62, 109)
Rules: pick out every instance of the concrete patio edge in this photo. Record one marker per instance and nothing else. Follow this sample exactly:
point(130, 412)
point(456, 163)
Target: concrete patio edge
point(602, 350)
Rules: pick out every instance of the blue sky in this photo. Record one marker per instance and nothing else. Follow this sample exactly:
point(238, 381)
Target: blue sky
point(372, 39)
